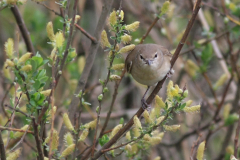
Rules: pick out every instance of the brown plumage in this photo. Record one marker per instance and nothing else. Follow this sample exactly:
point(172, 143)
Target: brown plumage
point(148, 63)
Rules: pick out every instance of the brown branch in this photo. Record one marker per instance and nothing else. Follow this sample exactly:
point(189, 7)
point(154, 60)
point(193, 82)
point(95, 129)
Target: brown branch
point(112, 103)
point(14, 129)
point(37, 139)
point(149, 29)
point(23, 29)
point(86, 34)
point(2, 149)
point(4, 97)
point(237, 136)
point(90, 60)
point(105, 84)
point(17, 110)
point(159, 85)
point(56, 13)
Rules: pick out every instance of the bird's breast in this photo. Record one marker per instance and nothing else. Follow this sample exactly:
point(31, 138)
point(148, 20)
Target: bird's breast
point(150, 74)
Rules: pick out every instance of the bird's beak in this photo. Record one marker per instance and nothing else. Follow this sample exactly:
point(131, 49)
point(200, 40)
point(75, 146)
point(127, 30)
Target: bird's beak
point(149, 62)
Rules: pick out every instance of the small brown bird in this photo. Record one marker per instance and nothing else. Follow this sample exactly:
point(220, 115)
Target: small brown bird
point(148, 64)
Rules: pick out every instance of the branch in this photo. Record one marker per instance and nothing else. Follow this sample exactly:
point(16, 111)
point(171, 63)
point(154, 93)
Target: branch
point(14, 129)
point(86, 34)
point(2, 149)
point(23, 29)
point(159, 85)
point(37, 139)
point(89, 61)
point(149, 29)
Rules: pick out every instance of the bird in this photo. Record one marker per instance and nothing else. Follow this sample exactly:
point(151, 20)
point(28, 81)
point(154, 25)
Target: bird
point(148, 64)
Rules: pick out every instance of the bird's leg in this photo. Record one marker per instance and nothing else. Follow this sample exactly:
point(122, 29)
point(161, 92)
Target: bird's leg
point(144, 103)
point(170, 73)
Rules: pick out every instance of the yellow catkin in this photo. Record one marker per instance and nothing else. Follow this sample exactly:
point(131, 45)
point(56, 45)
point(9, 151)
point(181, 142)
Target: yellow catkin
point(128, 136)
point(68, 139)
point(188, 103)
point(153, 114)
point(192, 109)
point(9, 63)
point(230, 150)
point(128, 148)
point(112, 18)
point(81, 63)
point(118, 67)
point(20, 134)
point(134, 149)
point(165, 7)
point(191, 68)
point(11, 1)
point(127, 48)
point(46, 93)
point(155, 140)
point(55, 140)
point(26, 68)
point(24, 58)
point(83, 135)
point(53, 53)
point(147, 138)
point(159, 104)
point(8, 46)
point(14, 155)
point(122, 14)
point(45, 158)
point(147, 117)
point(115, 130)
point(226, 110)
point(169, 87)
point(200, 151)
point(132, 27)
point(67, 122)
point(126, 38)
point(91, 124)
point(137, 127)
point(6, 71)
point(159, 120)
point(50, 32)
point(220, 81)
point(77, 18)
point(50, 113)
point(172, 128)
point(104, 40)
point(59, 39)
point(157, 158)
point(115, 77)
point(68, 150)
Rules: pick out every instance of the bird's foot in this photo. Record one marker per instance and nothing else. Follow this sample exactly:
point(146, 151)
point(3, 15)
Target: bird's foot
point(145, 105)
point(170, 73)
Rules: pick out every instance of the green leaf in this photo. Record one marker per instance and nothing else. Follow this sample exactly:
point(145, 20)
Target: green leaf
point(103, 140)
point(232, 118)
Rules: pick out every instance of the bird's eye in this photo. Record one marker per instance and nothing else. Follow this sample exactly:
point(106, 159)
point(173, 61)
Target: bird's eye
point(155, 55)
point(141, 56)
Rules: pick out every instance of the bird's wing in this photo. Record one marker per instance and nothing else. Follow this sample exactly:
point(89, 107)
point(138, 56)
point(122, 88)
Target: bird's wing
point(129, 61)
point(166, 52)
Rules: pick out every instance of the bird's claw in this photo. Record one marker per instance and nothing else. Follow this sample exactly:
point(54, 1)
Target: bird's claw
point(170, 73)
point(145, 105)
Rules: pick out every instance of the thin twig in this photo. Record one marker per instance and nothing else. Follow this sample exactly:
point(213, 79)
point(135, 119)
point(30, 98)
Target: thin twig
point(14, 129)
point(21, 140)
point(159, 85)
point(2, 149)
point(3, 100)
point(52, 113)
point(18, 110)
point(23, 29)
point(86, 34)
point(37, 139)
point(149, 29)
